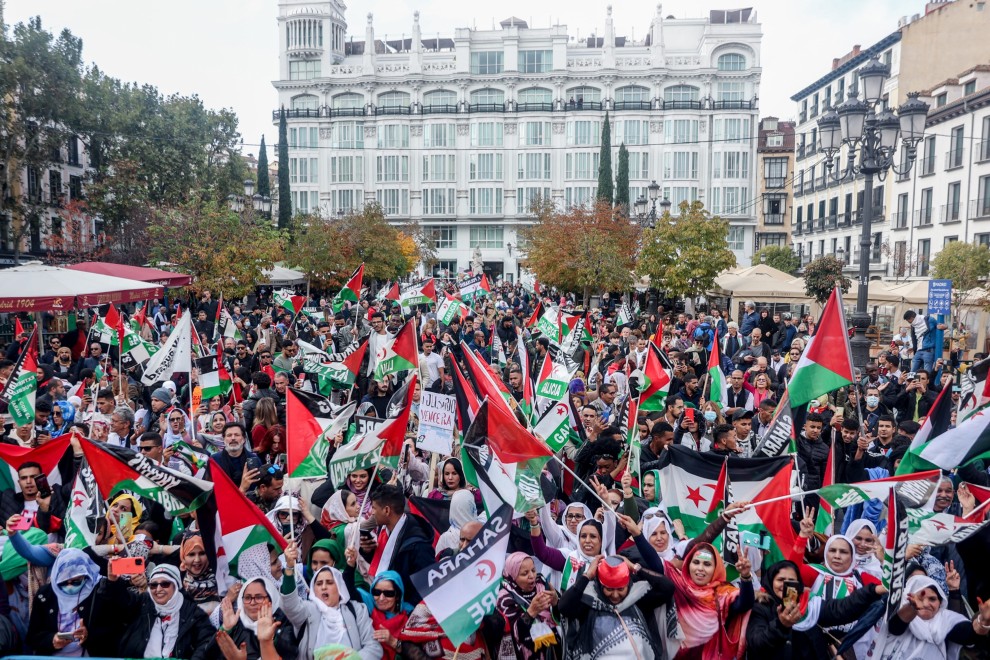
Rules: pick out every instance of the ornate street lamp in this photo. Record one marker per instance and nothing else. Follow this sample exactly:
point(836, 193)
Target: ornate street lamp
point(871, 130)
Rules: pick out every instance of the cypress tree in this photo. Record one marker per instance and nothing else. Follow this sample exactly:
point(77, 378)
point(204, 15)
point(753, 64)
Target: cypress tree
point(264, 183)
point(605, 186)
point(284, 194)
point(622, 179)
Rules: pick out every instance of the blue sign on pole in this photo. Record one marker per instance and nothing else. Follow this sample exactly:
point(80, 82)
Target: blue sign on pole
point(939, 296)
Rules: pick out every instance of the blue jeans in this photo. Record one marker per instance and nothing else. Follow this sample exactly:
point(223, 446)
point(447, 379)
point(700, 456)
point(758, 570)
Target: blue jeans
point(923, 359)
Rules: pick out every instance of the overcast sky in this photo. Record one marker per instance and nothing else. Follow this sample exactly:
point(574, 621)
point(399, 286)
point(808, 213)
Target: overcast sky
point(226, 51)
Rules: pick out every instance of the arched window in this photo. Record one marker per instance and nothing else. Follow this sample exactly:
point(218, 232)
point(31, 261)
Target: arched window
point(487, 96)
point(681, 93)
point(393, 100)
point(535, 95)
point(348, 101)
point(631, 93)
point(305, 102)
point(731, 62)
point(440, 97)
point(585, 94)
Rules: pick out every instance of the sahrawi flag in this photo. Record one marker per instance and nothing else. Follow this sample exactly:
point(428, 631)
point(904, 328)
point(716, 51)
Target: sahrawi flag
point(504, 460)
point(308, 437)
point(421, 293)
point(121, 468)
point(401, 353)
point(289, 301)
point(231, 524)
point(173, 356)
point(690, 490)
point(461, 590)
point(656, 379)
point(716, 378)
point(20, 390)
point(84, 511)
point(826, 363)
point(925, 527)
point(955, 448)
point(350, 292)
point(213, 377)
point(450, 309)
point(383, 444)
point(475, 287)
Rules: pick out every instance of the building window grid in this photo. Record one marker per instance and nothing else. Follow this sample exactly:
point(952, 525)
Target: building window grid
point(535, 61)
point(444, 237)
point(487, 62)
point(485, 167)
point(346, 169)
point(485, 201)
point(440, 201)
point(486, 237)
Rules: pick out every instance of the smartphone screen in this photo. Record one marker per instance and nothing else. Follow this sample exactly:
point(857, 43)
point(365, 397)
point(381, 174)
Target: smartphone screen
point(790, 593)
point(689, 414)
point(44, 489)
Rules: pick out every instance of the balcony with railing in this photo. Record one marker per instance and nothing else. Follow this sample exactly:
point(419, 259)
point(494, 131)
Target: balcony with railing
point(923, 218)
point(682, 105)
point(486, 107)
point(809, 226)
point(733, 105)
point(949, 213)
point(393, 110)
point(900, 220)
point(832, 222)
point(954, 159)
point(799, 188)
point(440, 109)
point(979, 208)
point(585, 105)
point(775, 182)
point(534, 107)
point(773, 218)
point(798, 229)
point(633, 105)
point(926, 166)
point(846, 218)
point(822, 221)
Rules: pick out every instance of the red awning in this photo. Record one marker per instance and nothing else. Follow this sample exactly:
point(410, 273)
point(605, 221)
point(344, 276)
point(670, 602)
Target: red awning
point(150, 275)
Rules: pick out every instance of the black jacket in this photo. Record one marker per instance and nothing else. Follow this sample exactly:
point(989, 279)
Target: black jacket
point(812, 458)
point(413, 552)
point(766, 637)
point(286, 640)
point(51, 521)
point(195, 631)
point(105, 619)
point(905, 403)
point(252, 402)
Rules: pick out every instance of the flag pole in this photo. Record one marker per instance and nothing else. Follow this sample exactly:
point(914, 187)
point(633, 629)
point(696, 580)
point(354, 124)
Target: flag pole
point(581, 481)
point(789, 496)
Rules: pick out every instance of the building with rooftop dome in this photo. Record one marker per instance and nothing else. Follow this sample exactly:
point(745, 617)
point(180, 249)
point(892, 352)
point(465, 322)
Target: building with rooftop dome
point(461, 133)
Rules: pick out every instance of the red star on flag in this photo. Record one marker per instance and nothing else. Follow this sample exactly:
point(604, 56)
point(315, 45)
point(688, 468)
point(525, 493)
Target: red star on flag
point(694, 494)
point(939, 525)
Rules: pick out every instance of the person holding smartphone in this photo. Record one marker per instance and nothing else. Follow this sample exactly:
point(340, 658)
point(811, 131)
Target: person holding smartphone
point(787, 621)
point(36, 503)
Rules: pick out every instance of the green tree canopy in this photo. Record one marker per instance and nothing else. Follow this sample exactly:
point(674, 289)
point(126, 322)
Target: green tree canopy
point(684, 253)
point(780, 257)
point(968, 266)
point(223, 250)
point(822, 275)
point(581, 250)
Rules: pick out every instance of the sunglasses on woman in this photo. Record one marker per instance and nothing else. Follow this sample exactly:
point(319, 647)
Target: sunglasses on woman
point(159, 585)
point(384, 593)
point(72, 582)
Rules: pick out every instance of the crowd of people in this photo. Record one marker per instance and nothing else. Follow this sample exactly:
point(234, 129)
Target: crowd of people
point(600, 571)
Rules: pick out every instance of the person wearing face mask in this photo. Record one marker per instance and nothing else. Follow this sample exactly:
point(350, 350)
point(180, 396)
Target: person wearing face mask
point(75, 614)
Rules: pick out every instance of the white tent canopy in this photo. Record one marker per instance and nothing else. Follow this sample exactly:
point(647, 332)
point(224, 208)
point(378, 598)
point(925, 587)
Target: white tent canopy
point(761, 282)
point(40, 288)
point(279, 275)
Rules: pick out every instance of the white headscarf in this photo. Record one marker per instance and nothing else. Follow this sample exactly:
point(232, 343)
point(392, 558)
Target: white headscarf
point(927, 639)
point(270, 588)
point(867, 563)
point(650, 525)
point(462, 511)
point(287, 504)
point(333, 629)
point(573, 536)
point(165, 630)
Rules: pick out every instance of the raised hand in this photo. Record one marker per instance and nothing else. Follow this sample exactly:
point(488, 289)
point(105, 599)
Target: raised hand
point(629, 524)
point(267, 625)
point(808, 523)
point(952, 577)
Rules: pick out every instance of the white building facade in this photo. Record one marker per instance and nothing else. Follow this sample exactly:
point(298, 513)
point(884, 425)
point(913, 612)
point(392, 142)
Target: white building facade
point(946, 195)
point(462, 134)
point(827, 216)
